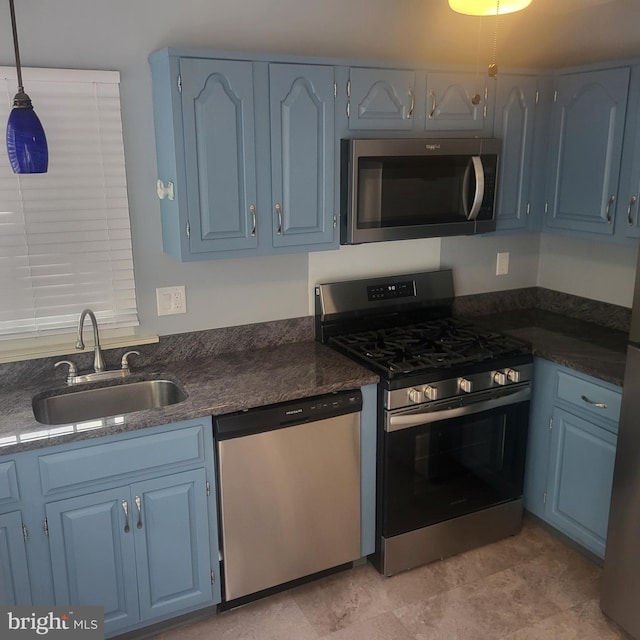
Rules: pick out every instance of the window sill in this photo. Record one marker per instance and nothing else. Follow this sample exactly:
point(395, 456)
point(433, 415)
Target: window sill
point(43, 348)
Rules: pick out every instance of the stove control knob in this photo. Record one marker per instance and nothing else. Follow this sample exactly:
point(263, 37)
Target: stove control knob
point(465, 385)
point(431, 393)
point(513, 375)
point(500, 377)
point(415, 395)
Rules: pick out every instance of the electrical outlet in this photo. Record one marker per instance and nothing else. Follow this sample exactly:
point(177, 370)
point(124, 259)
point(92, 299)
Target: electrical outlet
point(502, 264)
point(171, 300)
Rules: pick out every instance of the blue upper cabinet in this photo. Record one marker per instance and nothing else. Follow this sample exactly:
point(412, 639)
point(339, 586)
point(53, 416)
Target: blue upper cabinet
point(245, 154)
point(515, 117)
point(302, 154)
point(460, 102)
point(587, 127)
point(218, 125)
point(381, 99)
point(628, 212)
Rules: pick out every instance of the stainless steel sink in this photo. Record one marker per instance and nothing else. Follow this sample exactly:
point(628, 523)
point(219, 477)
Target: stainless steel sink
point(89, 404)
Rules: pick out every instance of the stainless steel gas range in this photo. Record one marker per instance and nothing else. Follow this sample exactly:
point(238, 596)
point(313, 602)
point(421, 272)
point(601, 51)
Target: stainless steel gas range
point(453, 406)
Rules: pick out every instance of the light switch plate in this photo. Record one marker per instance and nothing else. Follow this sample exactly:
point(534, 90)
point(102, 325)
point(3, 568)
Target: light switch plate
point(502, 264)
point(171, 300)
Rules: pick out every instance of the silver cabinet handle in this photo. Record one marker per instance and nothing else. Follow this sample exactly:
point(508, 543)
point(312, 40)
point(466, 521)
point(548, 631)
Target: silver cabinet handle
point(612, 199)
point(600, 405)
point(633, 200)
point(279, 212)
point(433, 104)
point(252, 210)
point(413, 104)
point(139, 505)
point(125, 508)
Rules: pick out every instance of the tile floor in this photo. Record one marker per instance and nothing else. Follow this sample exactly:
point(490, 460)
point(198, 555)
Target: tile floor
point(528, 587)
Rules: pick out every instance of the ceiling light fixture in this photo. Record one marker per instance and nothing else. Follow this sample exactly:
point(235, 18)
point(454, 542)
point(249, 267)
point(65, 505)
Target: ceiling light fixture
point(26, 141)
point(487, 7)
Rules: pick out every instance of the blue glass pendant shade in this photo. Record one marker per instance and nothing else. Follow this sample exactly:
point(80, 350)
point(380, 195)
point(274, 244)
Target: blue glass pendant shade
point(26, 142)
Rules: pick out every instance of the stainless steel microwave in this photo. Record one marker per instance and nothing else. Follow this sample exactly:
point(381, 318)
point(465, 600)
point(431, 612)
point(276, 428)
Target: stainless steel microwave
point(397, 189)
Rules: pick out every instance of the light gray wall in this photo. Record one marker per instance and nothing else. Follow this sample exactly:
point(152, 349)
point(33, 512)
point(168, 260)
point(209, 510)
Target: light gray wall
point(592, 269)
point(119, 34)
point(473, 260)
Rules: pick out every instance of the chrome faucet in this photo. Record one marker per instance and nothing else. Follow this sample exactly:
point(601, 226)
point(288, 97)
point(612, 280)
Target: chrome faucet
point(98, 361)
point(100, 371)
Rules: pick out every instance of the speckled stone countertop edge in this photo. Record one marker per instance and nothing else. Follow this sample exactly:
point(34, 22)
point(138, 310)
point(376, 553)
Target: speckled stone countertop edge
point(279, 361)
point(215, 385)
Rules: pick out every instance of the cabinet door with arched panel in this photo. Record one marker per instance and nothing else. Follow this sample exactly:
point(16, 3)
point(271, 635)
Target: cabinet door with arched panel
point(381, 99)
point(460, 102)
point(515, 113)
point(585, 150)
point(302, 113)
point(219, 136)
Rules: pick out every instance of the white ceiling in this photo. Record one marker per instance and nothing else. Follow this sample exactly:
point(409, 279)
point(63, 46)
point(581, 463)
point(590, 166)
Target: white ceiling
point(550, 33)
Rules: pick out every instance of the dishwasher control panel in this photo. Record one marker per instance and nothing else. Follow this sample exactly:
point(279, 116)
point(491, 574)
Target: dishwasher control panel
point(286, 414)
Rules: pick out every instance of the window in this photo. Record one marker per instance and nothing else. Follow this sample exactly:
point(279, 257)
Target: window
point(65, 238)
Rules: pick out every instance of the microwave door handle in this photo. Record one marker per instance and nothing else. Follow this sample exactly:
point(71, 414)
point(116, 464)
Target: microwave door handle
point(465, 190)
point(476, 161)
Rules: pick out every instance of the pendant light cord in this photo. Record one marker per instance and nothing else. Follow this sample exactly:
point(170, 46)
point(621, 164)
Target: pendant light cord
point(15, 45)
point(493, 67)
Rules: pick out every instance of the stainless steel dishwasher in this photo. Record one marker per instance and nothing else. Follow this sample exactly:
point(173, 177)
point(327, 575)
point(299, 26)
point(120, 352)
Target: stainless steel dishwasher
point(289, 490)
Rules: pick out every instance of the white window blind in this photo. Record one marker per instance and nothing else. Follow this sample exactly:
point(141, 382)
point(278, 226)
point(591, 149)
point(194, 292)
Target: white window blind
point(65, 239)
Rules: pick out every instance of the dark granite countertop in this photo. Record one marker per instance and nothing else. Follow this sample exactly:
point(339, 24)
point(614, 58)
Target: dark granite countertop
point(587, 347)
point(215, 384)
point(291, 365)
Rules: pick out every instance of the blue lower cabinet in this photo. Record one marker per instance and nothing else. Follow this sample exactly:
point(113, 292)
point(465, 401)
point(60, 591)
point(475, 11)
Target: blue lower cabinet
point(581, 473)
point(93, 555)
point(171, 535)
point(14, 573)
point(571, 450)
point(539, 440)
point(141, 551)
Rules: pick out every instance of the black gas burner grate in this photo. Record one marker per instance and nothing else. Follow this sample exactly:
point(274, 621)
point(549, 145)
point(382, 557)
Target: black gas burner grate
point(427, 346)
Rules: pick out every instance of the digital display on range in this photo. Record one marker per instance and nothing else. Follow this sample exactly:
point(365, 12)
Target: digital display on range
point(390, 291)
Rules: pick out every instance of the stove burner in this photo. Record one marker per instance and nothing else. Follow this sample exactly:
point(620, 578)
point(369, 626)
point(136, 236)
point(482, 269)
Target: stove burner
point(425, 346)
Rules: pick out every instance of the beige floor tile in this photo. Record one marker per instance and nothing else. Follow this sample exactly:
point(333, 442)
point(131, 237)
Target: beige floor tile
point(486, 609)
point(565, 577)
point(584, 621)
point(384, 627)
point(527, 587)
point(340, 600)
point(274, 618)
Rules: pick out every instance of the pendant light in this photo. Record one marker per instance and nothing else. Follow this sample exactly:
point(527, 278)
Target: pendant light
point(494, 8)
point(487, 7)
point(26, 141)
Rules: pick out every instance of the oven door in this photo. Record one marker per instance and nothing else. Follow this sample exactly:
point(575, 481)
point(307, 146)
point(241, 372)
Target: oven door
point(439, 465)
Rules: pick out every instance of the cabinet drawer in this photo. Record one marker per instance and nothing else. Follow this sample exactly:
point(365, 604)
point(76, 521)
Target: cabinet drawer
point(124, 457)
point(589, 396)
point(8, 483)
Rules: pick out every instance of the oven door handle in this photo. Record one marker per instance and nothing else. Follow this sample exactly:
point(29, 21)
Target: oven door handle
point(397, 422)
